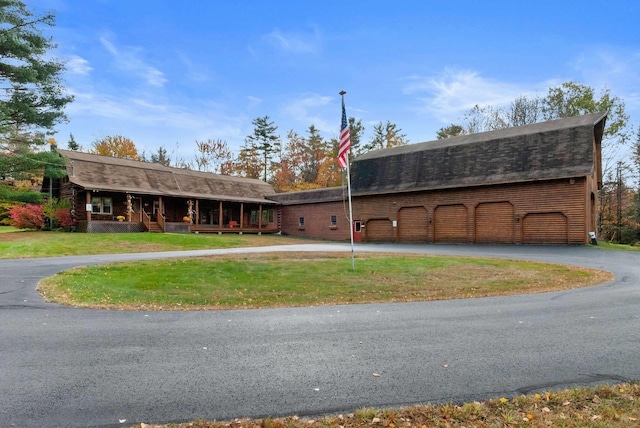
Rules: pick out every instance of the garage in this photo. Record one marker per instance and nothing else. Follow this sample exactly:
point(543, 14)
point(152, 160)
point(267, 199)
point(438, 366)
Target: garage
point(545, 228)
point(379, 230)
point(451, 224)
point(413, 224)
point(495, 223)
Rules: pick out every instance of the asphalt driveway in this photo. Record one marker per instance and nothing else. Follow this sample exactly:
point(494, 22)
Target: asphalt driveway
point(71, 367)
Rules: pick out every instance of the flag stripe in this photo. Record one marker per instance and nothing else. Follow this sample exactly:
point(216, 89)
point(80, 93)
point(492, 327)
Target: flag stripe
point(345, 139)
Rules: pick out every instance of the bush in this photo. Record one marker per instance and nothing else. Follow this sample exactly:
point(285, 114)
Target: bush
point(63, 218)
point(28, 216)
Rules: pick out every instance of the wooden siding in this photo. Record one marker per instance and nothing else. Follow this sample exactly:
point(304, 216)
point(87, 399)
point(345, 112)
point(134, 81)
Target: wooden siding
point(451, 224)
point(545, 228)
point(494, 223)
point(572, 197)
point(413, 224)
point(379, 230)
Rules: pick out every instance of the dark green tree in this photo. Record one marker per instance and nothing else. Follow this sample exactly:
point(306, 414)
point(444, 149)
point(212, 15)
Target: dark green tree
point(264, 142)
point(385, 136)
point(34, 99)
point(72, 145)
point(450, 131)
point(161, 157)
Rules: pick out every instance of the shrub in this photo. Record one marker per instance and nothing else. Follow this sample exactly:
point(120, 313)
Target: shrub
point(63, 218)
point(28, 216)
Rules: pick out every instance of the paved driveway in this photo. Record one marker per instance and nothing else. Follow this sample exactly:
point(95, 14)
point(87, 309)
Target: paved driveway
point(75, 367)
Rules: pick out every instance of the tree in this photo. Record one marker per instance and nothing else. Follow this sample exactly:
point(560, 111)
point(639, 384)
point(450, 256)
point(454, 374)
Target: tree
point(214, 156)
point(116, 146)
point(450, 131)
point(264, 141)
point(386, 136)
point(72, 145)
point(33, 100)
point(35, 97)
point(161, 157)
point(574, 99)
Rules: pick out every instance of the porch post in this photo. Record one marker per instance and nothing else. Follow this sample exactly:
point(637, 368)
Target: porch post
point(260, 217)
point(88, 203)
point(220, 216)
point(197, 212)
point(241, 214)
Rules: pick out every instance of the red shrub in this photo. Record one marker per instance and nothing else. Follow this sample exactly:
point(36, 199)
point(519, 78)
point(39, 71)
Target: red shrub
point(27, 217)
point(63, 217)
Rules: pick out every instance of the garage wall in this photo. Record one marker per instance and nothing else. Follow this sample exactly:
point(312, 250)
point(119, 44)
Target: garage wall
point(514, 213)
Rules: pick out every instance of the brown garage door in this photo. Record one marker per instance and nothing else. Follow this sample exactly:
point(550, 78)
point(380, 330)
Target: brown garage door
point(379, 230)
point(450, 224)
point(545, 228)
point(495, 223)
point(412, 224)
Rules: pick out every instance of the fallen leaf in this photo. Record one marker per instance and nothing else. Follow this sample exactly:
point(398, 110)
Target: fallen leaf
point(546, 410)
point(445, 365)
point(375, 420)
point(376, 375)
point(596, 417)
point(122, 421)
point(566, 403)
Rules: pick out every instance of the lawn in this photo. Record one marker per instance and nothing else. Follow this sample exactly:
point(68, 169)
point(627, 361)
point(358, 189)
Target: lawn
point(50, 244)
point(304, 279)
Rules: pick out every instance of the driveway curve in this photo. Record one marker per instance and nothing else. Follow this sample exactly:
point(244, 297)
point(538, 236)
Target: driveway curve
point(70, 367)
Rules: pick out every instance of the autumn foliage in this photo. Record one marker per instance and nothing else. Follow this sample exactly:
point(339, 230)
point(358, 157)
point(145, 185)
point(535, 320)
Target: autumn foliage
point(27, 216)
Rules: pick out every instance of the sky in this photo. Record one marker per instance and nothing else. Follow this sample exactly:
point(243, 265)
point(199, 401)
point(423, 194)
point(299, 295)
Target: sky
point(170, 73)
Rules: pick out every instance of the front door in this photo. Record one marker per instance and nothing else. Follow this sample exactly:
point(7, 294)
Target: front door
point(136, 209)
point(357, 231)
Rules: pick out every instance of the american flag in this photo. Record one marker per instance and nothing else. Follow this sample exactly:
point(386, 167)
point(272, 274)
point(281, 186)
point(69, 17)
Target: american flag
point(345, 140)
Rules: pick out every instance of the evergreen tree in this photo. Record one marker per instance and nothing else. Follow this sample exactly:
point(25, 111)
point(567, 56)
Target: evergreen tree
point(34, 99)
point(264, 141)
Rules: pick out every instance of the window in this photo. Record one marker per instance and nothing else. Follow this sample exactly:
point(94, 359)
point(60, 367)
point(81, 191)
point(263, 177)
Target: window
point(301, 222)
point(334, 221)
point(100, 205)
point(267, 216)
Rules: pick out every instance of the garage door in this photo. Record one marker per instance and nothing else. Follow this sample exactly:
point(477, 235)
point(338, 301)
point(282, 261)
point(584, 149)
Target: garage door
point(413, 224)
point(450, 224)
point(495, 223)
point(545, 228)
point(379, 231)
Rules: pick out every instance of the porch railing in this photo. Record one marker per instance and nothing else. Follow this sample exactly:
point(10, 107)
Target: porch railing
point(146, 220)
point(161, 221)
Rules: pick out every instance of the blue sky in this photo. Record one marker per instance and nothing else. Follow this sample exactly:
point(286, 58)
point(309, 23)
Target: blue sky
point(168, 73)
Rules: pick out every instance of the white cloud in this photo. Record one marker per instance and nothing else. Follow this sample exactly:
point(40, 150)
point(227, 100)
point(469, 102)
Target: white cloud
point(78, 65)
point(294, 42)
point(128, 59)
point(450, 94)
point(309, 109)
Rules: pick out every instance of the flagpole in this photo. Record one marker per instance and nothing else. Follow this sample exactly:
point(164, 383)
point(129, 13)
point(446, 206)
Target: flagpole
point(353, 259)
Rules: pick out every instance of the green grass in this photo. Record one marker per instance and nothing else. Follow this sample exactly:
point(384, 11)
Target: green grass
point(295, 279)
point(7, 229)
point(615, 247)
point(51, 244)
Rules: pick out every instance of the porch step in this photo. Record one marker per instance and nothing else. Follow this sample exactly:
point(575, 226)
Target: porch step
point(154, 227)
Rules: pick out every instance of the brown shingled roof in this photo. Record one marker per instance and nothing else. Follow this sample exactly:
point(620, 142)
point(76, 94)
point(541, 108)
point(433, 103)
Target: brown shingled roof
point(547, 150)
point(95, 172)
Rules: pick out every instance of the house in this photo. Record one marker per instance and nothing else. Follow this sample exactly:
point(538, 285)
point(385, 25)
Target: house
point(532, 184)
point(121, 195)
